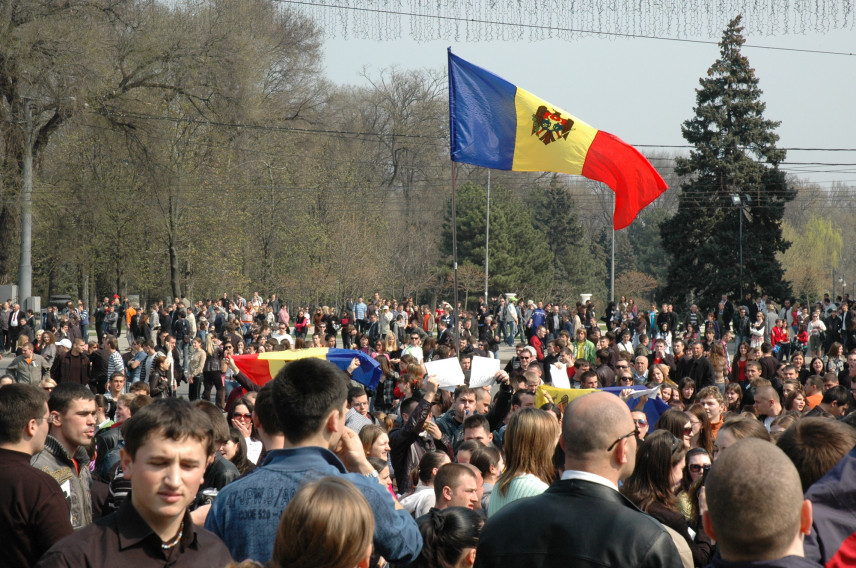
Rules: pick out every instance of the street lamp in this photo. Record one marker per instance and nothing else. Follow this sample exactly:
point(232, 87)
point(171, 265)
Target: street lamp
point(737, 202)
point(741, 202)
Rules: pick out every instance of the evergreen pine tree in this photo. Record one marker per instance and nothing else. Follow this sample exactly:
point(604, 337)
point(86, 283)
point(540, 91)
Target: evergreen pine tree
point(519, 255)
point(574, 263)
point(734, 153)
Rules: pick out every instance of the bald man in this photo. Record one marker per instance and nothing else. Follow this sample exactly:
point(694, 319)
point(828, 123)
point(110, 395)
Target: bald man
point(749, 477)
point(582, 520)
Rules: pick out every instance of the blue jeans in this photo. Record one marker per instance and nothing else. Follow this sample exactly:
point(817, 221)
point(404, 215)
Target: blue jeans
point(510, 332)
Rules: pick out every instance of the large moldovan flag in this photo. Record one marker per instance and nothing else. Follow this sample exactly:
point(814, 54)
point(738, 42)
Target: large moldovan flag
point(495, 124)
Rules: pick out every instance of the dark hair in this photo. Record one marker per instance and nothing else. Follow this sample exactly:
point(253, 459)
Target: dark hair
point(837, 394)
point(240, 458)
point(355, 392)
point(19, 403)
point(217, 420)
point(734, 387)
point(445, 536)
point(484, 458)
point(673, 421)
point(651, 479)
point(686, 381)
point(477, 421)
point(406, 407)
point(266, 413)
point(686, 481)
point(174, 418)
point(378, 464)
point(64, 393)
point(305, 392)
point(705, 434)
point(250, 407)
point(428, 462)
point(469, 446)
point(449, 475)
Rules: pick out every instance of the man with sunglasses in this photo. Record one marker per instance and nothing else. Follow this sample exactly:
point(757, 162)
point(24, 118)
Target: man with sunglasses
point(583, 519)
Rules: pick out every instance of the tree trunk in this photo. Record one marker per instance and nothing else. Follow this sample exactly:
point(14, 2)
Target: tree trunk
point(174, 276)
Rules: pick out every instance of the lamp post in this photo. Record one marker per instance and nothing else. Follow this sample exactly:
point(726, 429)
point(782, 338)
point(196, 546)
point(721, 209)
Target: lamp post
point(738, 202)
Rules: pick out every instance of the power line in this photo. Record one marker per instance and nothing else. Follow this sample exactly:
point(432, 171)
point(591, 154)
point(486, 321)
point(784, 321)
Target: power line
point(551, 29)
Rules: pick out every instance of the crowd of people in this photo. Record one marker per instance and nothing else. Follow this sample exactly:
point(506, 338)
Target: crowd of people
point(102, 460)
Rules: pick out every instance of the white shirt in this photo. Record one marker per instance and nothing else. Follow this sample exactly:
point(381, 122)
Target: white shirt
point(587, 476)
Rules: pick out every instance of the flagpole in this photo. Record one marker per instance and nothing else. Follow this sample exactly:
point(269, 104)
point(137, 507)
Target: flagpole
point(612, 258)
point(455, 262)
point(487, 238)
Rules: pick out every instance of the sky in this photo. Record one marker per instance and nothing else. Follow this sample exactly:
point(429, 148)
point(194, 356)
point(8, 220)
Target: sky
point(643, 89)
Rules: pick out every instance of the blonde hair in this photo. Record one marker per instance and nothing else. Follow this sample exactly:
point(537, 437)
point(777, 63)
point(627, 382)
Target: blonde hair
point(529, 444)
point(327, 524)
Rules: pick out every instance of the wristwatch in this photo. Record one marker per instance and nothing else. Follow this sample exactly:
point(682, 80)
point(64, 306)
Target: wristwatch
point(371, 475)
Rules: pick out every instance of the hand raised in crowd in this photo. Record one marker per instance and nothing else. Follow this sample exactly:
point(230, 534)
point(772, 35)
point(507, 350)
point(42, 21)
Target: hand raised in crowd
point(431, 386)
point(355, 364)
point(433, 430)
point(243, 427)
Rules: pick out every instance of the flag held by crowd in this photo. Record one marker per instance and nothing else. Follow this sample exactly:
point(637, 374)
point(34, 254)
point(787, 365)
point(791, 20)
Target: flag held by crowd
point(262, 367)
point(495, 124)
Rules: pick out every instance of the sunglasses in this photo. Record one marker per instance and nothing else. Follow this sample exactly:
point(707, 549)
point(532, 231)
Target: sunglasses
point(640, 421)
point(622, 367)
point(688, 431)
point(243, 416)
point(696, 467)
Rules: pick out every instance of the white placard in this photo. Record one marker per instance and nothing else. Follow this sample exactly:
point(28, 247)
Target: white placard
point(448, 372)
point(483, 372)
point(559, 376)
point(651, 393)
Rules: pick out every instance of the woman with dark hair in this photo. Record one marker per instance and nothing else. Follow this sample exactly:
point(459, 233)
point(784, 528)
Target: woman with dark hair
point(691, 482)
point(687, 388)
point(346, 324)
point(235, 450)
point(450, 538)
point(240, 416)
point(702, 432)
point(653, 486)
point(816, 367)
point(423, 498)
point(734, 397)
point(488, 460)
point(738, 364)
point(677, 423)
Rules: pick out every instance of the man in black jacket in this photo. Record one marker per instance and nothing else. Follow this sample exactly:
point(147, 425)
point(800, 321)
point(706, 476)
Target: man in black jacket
point(700, 370)
point(583, 520)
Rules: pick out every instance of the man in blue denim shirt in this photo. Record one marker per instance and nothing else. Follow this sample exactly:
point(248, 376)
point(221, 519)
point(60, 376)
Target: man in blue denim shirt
point(310, 399)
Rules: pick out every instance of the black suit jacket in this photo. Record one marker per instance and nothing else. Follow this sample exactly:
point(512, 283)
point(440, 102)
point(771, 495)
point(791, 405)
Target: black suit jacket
point(575, 523)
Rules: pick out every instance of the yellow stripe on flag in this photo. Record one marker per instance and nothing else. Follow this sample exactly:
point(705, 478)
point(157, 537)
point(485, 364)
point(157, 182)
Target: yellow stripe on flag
point(558, 394)
point(278, 359)
point(567, 138)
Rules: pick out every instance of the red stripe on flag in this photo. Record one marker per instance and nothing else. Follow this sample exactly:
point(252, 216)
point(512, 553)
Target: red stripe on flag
point(627, 172)
point(258, 370)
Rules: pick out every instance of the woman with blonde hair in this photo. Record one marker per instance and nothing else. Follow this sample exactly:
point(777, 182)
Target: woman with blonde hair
point(327, 524)
point(529, 444)
point(659, 373)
